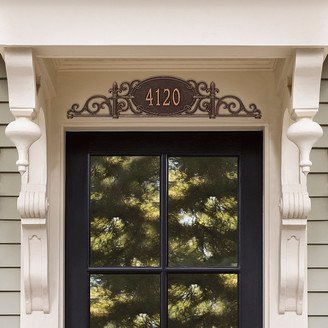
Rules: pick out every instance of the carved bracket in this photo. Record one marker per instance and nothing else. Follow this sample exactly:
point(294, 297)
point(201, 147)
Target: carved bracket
point(298, 139)
point(30, 141)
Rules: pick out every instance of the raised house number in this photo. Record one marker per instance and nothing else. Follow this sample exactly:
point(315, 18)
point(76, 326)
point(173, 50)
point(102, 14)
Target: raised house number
point(164, 97)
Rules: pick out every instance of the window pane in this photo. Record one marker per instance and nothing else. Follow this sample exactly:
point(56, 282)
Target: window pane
point(125, 211)
point(203, 211)
point(125, 301)
point(203, 300)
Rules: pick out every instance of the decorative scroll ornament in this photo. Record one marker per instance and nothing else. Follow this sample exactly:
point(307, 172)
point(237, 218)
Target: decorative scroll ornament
point(164, 96)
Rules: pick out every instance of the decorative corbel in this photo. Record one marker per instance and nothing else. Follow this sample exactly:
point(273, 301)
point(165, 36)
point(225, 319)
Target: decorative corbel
point(30, 141)
point(299, 134)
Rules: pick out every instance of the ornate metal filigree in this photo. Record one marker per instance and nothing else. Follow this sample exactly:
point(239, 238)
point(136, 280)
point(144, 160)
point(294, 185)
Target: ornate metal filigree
point(204, 101)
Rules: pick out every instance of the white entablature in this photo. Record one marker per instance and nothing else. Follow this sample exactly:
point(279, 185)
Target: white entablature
point(30, 140)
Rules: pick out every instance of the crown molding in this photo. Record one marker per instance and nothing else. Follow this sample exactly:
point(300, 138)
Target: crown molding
point(167, 64)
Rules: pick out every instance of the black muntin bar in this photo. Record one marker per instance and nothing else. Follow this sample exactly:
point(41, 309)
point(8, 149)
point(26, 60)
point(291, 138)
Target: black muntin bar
point(164, 239)
point(158, 270)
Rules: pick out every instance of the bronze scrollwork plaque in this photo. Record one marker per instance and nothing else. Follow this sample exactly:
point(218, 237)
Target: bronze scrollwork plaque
point(164, 96)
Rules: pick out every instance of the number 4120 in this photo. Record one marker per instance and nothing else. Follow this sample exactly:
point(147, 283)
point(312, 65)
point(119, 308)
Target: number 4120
point(164, 97)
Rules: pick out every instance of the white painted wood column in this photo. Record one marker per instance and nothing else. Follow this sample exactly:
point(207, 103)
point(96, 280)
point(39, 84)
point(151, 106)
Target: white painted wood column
point(299, 134)
point(30, 141)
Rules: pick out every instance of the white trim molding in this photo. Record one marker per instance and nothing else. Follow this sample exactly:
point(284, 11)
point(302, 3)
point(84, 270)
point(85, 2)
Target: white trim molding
point(299, 134)
point(30, 141)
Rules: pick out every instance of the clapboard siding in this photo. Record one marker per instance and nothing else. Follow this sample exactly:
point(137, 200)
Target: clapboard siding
point(10, 255)
point(3, 90)
point(5, 115)
point(2, 68)
point(10, 229)
point(317, 232)
point(318, 221)
point(318, 280)
point(317, 185)
point(318, 304)
point(9, 184)
point(9, 321)
point(9, 303)
point(9, 279)
point(325, 70)
point(10, 232)
point(323, 142)
point(324, 91)
point(4, 141)
point(317, 256)
point(8, 208)
point(319, 209)
point(8, 158)
point(319, 159)
point(322, 115)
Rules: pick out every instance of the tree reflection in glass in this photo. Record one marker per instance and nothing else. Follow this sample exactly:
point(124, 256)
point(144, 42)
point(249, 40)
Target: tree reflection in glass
point(125, 301)
point(125, 211)
point(203, 301)
point(125, 231)
point(203, 211)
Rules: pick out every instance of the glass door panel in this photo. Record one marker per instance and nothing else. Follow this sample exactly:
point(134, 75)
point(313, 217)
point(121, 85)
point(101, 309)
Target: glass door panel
point(203, 300)
point(164, 230)
point(122, 301)
point(124, 211)
point(203, 211)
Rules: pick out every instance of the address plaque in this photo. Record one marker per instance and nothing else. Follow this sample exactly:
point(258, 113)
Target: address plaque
point(164, 96)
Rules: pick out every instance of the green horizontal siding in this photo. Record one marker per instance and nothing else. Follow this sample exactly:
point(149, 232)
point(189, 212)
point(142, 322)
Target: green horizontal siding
point(4, 141)
point(319, 159)
point(8, 158)
point(3, 90)
point(10, 230)
point(317, 185)
point(318, 304)
point(10, 255)
point(317, 256)
point(9, 303)
point(9, 321)
point(323, 142)
point(9, 279)
point(318, 221)
point(324, 91)
point(322, 115)
point(325, 70)
point(9, 184)
point(318, 322)
point(2, 69)
point(8, 208)
point(5, 115)
point(318, 280)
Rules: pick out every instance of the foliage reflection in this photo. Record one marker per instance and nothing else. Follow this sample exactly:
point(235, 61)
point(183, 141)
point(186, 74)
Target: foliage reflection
point(124, 301)
point(203, 211)
point(125, 211)
point(203, 301)
point(125, 231)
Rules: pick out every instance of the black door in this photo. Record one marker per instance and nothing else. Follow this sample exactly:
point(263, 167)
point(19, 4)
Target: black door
point(164, 229)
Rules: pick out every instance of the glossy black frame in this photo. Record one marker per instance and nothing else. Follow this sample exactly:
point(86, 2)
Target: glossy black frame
point(247, 146)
